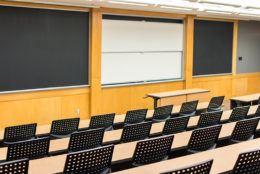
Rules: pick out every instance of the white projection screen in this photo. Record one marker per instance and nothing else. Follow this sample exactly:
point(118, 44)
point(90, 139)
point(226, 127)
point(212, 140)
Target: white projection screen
point(139, 50)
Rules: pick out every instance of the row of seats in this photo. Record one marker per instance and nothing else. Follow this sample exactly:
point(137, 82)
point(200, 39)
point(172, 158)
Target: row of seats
point(94, 138)
point(247, 162)
point(97, 160)
point(64, 127)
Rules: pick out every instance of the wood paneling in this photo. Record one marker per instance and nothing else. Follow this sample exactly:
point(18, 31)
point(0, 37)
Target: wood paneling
point(188, 61)
point(177, 100)
point(95, 61)
point(43, 107)
point(121, 99)
point(45, 5)
point(202, 97)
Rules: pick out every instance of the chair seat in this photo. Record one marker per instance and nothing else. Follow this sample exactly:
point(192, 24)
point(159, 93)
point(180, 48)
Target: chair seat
point(161, 120)
point(197, 151)
point(238, 141)
point(214, 109)
point(109, 128)
point(137, 165)
point(190, 114)
point(53, 136)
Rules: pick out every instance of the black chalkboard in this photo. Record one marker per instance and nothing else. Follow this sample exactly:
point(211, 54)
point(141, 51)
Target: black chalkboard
point(42, 48)
point(213, 45)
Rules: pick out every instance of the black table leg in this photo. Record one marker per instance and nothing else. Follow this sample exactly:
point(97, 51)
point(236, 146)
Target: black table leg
point(155, 102)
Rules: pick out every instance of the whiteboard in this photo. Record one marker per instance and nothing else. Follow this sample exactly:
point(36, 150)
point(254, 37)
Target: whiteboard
point(141, 51)
point(140, 67)
point(120, 35)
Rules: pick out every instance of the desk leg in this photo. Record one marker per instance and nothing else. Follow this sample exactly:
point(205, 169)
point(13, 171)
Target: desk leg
point(233, 104)
point(155, 102)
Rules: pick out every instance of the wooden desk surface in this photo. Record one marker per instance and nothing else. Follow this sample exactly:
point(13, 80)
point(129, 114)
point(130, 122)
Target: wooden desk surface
point(43, 129)
point(177, 93)
point(55, 164)
point(247, 98)
point(115, 135)
point(224, 159)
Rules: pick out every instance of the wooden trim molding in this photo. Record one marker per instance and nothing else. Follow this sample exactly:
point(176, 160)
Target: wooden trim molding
point(141, 13)
point(95, 61)
point(234, 54)
point(188, 60)
point(42, 5)
point(43, 94)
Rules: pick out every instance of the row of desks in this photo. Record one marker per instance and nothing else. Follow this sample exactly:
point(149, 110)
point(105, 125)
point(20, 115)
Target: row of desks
point(244, 100)
point(122, 152)
point(44, 129)
point(224, 159)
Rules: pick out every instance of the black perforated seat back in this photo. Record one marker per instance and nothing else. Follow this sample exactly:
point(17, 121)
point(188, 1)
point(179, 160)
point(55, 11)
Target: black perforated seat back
point(162, 112)
point(29, 149)
point(135, 116)
point(175, 125)
point(204, 138)
point(248, 162)
point(102, 121)
point(86, 139)
point(201, 168)
point(93, 161)
point(136, 132)
point(244, 129)
point(239, 113)
point(64, 126)
point(152, 150)
point(20, 132)
point(209, 119)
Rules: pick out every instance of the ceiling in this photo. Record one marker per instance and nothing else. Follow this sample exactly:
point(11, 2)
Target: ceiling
point(230, 9)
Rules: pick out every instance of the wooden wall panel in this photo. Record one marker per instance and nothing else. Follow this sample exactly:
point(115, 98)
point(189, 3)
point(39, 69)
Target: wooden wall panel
point(121, 99)
point(218, 85)
point(43, 110)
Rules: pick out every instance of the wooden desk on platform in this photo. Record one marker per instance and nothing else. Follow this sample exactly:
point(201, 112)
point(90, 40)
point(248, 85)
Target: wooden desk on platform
point(44, 129)
point(124, 151)
point(224, 159)
point(180, 96)
point(244, 100)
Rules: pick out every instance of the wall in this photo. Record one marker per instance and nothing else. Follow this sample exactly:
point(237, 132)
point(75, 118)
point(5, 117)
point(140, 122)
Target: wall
point(44, 106)
point(248, 46)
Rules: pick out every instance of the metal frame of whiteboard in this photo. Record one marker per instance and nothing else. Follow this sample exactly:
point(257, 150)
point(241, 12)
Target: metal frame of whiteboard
point(210, 75)
point(62, 87)
point(155, 81)
point(142, 83)
point(43, 89)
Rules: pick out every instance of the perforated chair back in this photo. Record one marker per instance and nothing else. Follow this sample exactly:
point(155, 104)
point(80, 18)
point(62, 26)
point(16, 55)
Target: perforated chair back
point(93, 161)
point(215, 103)
point(244, 130)
point(189, 108)
point(15, 167)
point(257, 113)
point(102, 121)
point(239, 113)
point(64, 127)
point(86, 139)
point(175, 125)
point(209, 119)
point(163, 112)
point(135, 116)
point(31, 149)
point(204, 139)
point(19, 133)
point(134, 132)
point(152, 150)
point(201, 168)
point(248, 162)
